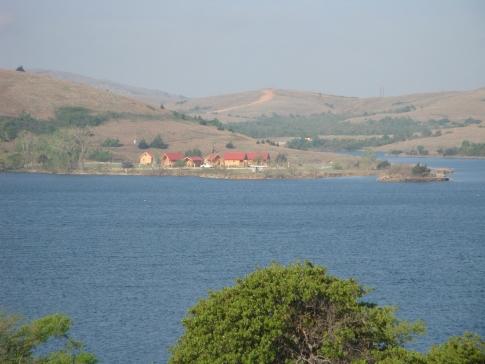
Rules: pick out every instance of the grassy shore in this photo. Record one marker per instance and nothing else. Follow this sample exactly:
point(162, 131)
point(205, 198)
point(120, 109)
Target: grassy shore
point(296, 172)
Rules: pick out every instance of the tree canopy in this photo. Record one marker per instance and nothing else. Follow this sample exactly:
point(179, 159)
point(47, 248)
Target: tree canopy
point(20, 343)
point(298, 313)
point(301, 314)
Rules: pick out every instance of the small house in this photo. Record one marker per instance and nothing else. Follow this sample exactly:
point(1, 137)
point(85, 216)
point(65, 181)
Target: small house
point(235, 159)
point(258, 158)
point(193, 161)
point(170, 159)
point(146, 158)
point(213, 160)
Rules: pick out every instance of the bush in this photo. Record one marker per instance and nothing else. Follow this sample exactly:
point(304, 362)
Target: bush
point(143, 144)
point(158, 143)
point(193, 152)
point(383, 165)
point(230, 145)
point(126, 164)
point(466, 349)
point(20, 69)
point(420, 170)
point(28, 343)
point(292, 314)
point(281, 159)
point(100, 155)
point(111, 143)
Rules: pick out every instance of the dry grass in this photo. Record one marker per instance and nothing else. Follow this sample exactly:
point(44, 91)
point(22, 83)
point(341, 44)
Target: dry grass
point(247, 106)
point(185, 135)
point(450, 138)
point(41, 96)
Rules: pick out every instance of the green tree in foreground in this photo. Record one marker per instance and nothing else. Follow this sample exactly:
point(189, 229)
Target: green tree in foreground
point(294, 314)
point(19, 343)
point(301, 314)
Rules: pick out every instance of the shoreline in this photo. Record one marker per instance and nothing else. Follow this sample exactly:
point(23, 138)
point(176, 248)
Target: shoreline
point(234, 174)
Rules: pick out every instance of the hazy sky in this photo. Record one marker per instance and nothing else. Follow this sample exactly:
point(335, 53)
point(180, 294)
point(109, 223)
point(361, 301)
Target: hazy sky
point(200, 48)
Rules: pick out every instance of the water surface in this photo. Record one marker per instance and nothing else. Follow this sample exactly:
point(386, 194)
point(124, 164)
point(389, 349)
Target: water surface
point(125, 257)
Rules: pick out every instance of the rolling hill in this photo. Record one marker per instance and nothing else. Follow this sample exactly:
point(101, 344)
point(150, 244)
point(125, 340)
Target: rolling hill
point(145, 95)
point(248, 106)
point(41, 96)
point(280, 114)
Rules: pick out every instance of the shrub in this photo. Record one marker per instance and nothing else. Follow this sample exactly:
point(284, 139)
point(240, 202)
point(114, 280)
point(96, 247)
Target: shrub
point(100, 155)
point(292, 314)
point(126, 164)
point(420, 170)
point(230, 145)
point(193, 152)
point(143, 144)
point(111, 143)
point(158, 143)
point(383, 165)
point(20, 69)
point(281, 159)
point(33, 342)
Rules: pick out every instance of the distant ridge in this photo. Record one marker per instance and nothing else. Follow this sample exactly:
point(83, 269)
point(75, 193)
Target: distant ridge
point(145, 95)
point(251, 105)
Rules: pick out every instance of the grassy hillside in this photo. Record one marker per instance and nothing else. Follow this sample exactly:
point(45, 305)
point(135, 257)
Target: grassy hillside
point(41, 96)
point(57, 124)
point(434, 120)
point(147, 96)
point(250, 106)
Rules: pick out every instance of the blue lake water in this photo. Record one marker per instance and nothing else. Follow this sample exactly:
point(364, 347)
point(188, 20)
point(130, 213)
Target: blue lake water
point(125, 257)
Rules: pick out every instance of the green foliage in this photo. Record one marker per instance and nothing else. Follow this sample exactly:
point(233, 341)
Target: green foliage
point(291, 314)
point(158, 143)
point(213, 122)
point(78, 117)
point(143, 144)
point(230, 145)
point(466, 149)
point(11, 127)
point(420, 170)
point(472, 149)
point(338, 144)
point(100, 155)
point(281, 159)
point(328, 124)
point(20, 343)
point(421, 150)
point(66, 117)
point(193, 152)
point(111, 143)
point(466, 349)
point(383, 165)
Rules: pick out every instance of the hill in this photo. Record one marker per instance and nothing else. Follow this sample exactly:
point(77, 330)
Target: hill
point(145, 95)
point(433, 120)
point(41, 96)
point(51, 104)
point(248, 106)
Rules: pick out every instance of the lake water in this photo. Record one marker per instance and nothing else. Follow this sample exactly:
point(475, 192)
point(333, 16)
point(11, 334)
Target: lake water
point(125, 257)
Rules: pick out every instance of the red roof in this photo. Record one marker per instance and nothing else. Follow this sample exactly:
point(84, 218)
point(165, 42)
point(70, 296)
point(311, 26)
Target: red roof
point(173, 156)
point(264, 156)
point(195, 158)
point(234, 156)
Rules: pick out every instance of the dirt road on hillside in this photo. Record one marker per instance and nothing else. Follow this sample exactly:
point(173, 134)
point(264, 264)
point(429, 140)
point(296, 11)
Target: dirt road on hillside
point(265, 97)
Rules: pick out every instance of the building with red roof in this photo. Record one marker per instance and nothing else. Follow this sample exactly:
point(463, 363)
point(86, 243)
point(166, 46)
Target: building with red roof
point(235, 159)
point(169, 159)
point(258, 158)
